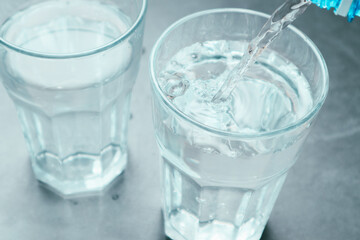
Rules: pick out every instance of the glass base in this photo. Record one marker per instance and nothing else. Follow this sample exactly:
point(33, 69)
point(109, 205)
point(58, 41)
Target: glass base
point(80, 174)
point(194, 211)
point(184, 224)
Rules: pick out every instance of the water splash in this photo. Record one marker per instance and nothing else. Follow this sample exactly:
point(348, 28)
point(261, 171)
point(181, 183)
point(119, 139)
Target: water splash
point(280, 19)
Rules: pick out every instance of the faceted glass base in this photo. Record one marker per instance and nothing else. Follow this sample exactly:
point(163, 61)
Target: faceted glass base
point(194, 211)
point(80, 174)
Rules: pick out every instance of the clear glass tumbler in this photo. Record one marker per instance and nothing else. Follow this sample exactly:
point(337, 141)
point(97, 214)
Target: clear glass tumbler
point(223, 184)
point(70, 66)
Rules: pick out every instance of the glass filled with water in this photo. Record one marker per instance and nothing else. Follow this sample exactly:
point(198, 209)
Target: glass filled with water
point(70, 66)
point(224, 162)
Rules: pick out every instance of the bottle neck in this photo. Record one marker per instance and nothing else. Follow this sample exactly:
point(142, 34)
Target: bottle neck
point(344, 7)
point(349, 8)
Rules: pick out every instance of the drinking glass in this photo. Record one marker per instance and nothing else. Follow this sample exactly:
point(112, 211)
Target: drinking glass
point(69, 67)
point(219, 184)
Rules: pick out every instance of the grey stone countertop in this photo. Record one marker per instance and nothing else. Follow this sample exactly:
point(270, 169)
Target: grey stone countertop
point(319, 201)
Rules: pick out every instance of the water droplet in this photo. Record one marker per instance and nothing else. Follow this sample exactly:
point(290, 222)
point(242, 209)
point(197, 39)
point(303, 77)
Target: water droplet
point(115, 197)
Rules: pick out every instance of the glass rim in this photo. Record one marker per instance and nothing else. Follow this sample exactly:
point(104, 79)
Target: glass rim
point(96, 50)
point(296, 124)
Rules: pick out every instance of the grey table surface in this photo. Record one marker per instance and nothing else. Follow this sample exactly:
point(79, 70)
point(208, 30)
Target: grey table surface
point(320, 199)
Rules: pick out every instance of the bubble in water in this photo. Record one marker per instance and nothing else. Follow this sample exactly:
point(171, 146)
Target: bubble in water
point(210, 149)
point(217, 48)
point(174, 84)
point(194, 56)
point(200, 200)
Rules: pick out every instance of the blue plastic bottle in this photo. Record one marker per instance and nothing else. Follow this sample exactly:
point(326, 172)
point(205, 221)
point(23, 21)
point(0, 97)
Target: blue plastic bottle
point(349, 8)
